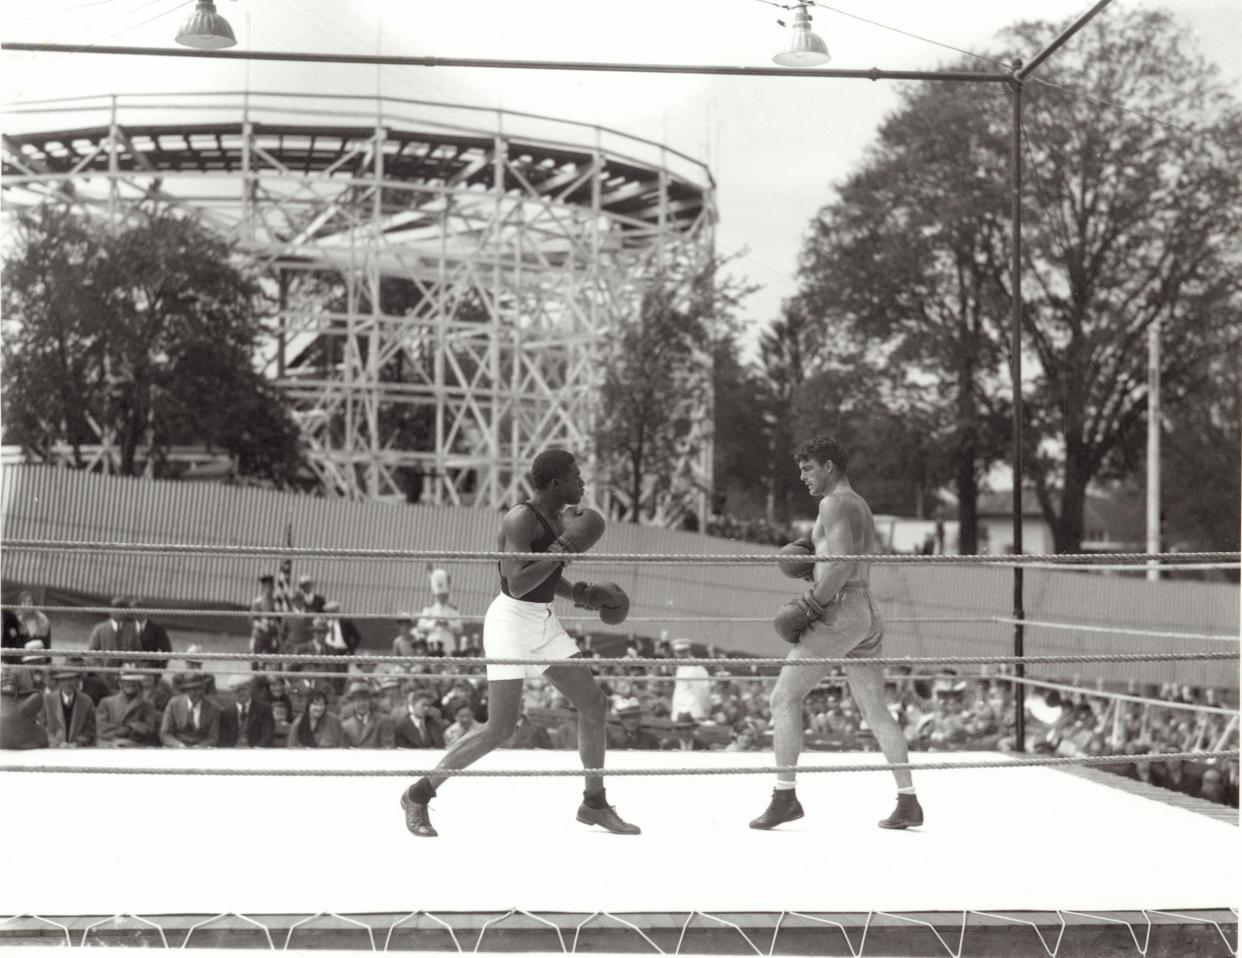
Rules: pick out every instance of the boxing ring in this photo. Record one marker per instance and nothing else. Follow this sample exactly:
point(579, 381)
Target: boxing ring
point(300, 848)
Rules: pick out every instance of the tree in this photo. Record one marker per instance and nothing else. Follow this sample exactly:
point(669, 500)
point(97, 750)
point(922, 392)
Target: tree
point(901, 274)
point(1135, 218)
point(655, 400)
point(142, 335)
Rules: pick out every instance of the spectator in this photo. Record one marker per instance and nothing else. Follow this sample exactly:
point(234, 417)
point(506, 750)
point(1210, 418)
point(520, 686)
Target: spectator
point(246, 722)
point(365, 727)
point(316, 727)
point(528, 734)
point(191, 720)
point(403, 641)
point(151, 637)
point(441, 621)
point(343, 636)
point(265, 627)
point(114, 634)
point(12, 637)
point(280, 723)
point(631, 734)
point(38, 675)
point(309, 603)
point(32, 622)
point(194, 665)
point(21, 709)
point(685, 736)
point(318, 646)
point(68, 712)
point(126, 719)
point(691, 685)
point(416, 727)
point(276, 690)
point(745, 738)
point(464, 715)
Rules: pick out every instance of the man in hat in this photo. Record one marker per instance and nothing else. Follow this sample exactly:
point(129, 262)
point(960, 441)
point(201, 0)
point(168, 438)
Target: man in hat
point(417, 726)
point(309, 603)
point(692, 687)
point(152, 637)
point(441, 621)
point(126, 719)
point(21, 711)
point(317, 645)
point(364, 727)
point(246, 722)
point(191, 720)
point(631, 734)
point(68, 712)
point(684, 737)
point(343, 636)
point(265, 627)
point(115, 634)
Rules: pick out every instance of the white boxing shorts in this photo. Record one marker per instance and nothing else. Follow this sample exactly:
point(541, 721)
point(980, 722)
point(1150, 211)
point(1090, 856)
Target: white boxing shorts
point(513, 629)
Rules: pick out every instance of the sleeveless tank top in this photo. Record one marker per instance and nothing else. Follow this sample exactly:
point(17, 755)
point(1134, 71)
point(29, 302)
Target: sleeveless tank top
point(545, 591)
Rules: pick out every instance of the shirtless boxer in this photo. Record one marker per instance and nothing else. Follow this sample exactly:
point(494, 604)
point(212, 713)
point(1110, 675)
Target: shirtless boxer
point(520, 623)
point(835, 618)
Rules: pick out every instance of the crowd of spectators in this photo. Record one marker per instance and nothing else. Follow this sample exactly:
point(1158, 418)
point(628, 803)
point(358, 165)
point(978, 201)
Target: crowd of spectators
point(671, 705)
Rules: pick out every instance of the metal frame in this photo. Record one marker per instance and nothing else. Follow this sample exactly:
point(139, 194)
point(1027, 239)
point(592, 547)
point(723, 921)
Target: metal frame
point(1015, 79)
point(525, 252)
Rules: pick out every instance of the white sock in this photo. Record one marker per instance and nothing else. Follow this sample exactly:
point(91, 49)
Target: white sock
point(906, 791)
point(783, 786)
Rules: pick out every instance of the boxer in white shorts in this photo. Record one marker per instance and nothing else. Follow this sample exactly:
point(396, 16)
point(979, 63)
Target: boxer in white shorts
point(521, 623)
point(835, 618)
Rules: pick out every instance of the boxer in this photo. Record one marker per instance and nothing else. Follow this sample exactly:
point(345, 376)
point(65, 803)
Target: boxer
point(521, 623)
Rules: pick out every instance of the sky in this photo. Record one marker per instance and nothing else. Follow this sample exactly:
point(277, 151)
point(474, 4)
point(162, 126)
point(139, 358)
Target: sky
point(776, 146)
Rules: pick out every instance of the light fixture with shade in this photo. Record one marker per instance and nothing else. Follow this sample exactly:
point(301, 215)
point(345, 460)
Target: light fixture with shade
point(806, 48)
point(204, 29)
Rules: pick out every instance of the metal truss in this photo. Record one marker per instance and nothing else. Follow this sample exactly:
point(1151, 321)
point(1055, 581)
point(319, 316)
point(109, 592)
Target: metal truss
point(445, 287)
point(1044, 934)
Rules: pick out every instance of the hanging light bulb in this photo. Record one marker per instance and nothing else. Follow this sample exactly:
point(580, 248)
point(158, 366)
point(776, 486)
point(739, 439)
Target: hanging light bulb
point(204, 29)
point(806, 47)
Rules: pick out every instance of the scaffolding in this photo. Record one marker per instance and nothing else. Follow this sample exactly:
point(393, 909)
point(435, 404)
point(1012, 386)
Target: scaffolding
point(446, 280)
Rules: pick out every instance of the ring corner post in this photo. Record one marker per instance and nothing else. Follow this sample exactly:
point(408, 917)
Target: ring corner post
point(1015, 161)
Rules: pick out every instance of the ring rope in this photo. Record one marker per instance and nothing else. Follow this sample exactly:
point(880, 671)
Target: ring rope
point(456, 616)
point(157, 548)
point(1119, 696)
point(1051, 761)
point(748, 661)
point(1117, 630)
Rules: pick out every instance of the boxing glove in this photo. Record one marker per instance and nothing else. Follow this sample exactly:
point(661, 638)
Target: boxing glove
point(798, 568)
point(795, 616)
point(581, 528)
point(606, 598)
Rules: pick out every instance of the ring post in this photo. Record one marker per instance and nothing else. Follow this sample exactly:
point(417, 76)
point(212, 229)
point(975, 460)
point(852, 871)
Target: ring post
point(1015, 163)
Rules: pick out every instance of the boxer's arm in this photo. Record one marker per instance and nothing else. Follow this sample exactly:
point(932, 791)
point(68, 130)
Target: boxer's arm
point(520, 529)
point(839, 540)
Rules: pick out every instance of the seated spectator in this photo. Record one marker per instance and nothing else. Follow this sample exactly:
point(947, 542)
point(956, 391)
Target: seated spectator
point(403, 642)
point(126, 719)
point(68, 712)
point(745, 738)
point(246, 722)
point(343, 637)
point(275, 689)
point(21, 710)
point(37, 672)
point(685, 736)
point(417, 727)
point(631, 734)
point(528, 734)
point(390, 698)
point(465, 721)
point(191, 720)
point(265, 628)
point(280, 723)
point(364, 727)
point(316, 727)
point(195, 667)
point(157, 691)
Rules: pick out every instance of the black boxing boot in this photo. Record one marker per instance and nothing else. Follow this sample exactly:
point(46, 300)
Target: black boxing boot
point(784, 807)
point(414, 803)
point(907, 814)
